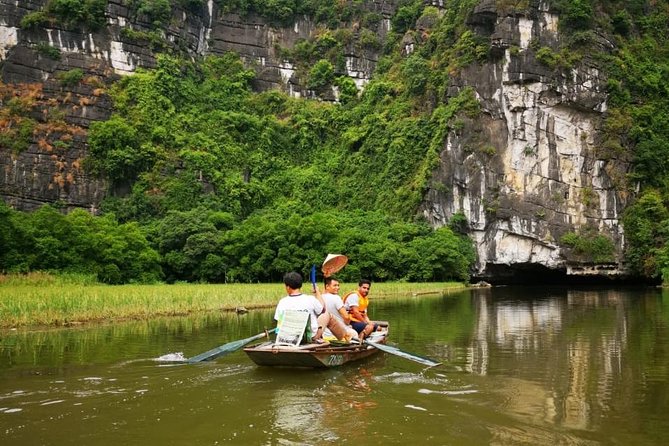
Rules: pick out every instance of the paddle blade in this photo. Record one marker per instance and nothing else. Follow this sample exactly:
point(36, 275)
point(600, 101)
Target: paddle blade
point(397, 352)
point(225, 349)
point(312, 276)
point(333, 263)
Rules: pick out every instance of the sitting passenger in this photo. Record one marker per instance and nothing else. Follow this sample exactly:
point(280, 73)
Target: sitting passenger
point(314, 305)
point(335, 306)
point(356, 303)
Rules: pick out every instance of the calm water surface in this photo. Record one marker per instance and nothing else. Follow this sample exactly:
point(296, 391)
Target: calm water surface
point(521, 366)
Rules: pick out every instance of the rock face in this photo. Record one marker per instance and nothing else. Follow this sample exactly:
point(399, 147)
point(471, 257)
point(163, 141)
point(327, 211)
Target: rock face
point(46, 172)
point(528, 172)
point(525, 173)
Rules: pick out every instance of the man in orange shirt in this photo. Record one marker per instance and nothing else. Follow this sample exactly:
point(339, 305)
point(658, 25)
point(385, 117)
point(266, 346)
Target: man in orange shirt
point(356, 303)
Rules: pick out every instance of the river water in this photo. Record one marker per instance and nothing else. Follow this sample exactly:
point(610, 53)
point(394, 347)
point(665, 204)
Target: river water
point(521, 366)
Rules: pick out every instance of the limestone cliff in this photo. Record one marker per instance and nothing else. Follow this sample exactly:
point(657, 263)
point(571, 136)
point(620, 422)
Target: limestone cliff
point(46, 172)
point(524, 174)
point(529, 171)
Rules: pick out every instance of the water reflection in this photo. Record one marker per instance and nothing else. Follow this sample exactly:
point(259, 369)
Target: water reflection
point(530, 366)
point(339, 408)
point(515, 326)
point(297, 412)
point(566, 355)
point(106, 343)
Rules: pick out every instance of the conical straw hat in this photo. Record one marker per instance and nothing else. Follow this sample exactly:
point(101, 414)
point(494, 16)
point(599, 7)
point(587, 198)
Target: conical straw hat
point(333, 263)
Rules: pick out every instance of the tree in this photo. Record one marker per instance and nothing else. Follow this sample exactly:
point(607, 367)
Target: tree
point(321, 75)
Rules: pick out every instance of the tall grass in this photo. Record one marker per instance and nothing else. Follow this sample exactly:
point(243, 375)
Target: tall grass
point(43, 299)
point(40, 278)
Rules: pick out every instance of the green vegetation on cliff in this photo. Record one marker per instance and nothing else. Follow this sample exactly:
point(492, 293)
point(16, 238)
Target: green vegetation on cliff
point(637, 125)
point(233, 186)
point(230, 185)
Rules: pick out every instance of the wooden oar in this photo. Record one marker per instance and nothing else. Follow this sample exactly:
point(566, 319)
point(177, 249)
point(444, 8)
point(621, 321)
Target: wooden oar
point(230, 347)
point(397, 352)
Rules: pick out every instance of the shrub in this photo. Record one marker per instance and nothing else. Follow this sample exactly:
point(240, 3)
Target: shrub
point(548, 57)
point(326, 41)
point(71, 13)
point(416, 73)
point(406, 16)
point(581, 38)
point(115, 147)
point(369, 39)
point(379, 91)
point(372, 20)
point(158, 12)
point(576, 14)
point(153, 37)
point(46, 50)
point(348, 91)
point(304, 50)
point(590, 246)
point(33, 20)
point(70, 78)
point(321, 75)
point(19, 135)
point(622, 23)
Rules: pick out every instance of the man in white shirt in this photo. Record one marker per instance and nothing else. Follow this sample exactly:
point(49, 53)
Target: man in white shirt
point(335, 306)
point(314, 305)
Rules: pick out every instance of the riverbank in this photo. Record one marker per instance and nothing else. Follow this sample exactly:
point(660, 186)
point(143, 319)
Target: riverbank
point(44, 300)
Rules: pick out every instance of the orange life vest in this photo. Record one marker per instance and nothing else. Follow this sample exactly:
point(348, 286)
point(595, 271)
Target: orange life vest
point(363, 303)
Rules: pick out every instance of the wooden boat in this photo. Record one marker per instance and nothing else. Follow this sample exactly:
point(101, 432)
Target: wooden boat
point(316, 355)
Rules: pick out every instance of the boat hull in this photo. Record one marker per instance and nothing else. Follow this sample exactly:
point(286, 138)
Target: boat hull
point(269, 355)
point(312, 355)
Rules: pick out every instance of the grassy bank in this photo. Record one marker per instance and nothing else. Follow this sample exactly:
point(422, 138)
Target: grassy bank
point(42, 299)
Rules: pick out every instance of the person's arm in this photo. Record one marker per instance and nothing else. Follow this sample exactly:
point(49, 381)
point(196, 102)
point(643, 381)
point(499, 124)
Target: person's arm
point(351, 302)
point(278, 313)
point(344, 314)
point(317, 293)
point(357, 314)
